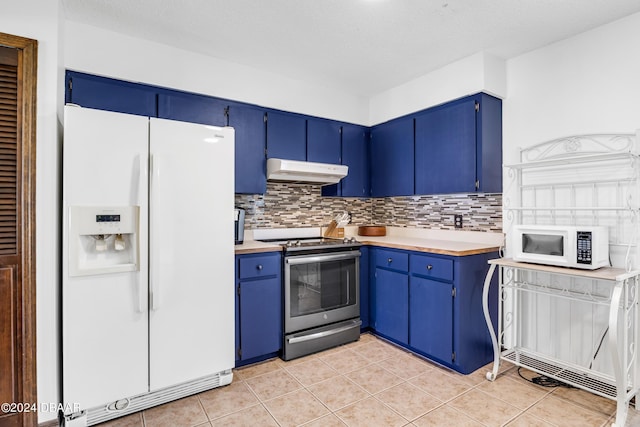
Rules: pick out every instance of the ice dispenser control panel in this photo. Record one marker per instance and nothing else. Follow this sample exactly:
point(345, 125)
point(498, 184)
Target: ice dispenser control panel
point(103, 239)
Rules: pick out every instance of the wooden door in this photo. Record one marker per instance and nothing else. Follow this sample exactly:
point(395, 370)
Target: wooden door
point(17, 223)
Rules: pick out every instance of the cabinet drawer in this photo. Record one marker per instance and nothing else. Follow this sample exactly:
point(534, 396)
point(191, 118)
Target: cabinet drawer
point(259, 266)
point(392, 259)
point(433, 267)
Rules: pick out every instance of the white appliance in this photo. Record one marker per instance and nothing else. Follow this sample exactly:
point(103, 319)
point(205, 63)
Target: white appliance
point(306, 172)
point(585, 247)
point(148, 262)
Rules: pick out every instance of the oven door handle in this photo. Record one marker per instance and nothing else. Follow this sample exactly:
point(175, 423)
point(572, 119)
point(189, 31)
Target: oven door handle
point(318, 335)
point(294, 260)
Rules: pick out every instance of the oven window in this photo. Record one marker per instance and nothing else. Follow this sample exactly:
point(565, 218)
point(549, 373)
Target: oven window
point(322, 286)
point(543, 244)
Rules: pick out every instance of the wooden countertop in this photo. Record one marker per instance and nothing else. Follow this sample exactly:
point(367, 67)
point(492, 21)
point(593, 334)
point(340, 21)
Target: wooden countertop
point(452, 247)
point(254, 247)
point(434, 246)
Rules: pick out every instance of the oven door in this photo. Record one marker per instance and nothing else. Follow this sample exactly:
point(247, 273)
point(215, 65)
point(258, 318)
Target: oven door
point(320, 289)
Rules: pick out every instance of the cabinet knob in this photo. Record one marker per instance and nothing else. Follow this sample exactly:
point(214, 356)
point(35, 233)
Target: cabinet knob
point(259, 267)
point(390, 260)
point(429, 267)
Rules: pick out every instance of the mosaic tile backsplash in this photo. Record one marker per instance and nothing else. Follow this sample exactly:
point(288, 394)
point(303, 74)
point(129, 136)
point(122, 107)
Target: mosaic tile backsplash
point(298, 205)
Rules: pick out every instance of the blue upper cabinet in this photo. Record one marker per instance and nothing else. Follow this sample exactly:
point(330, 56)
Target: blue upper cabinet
point(445, 156)
point(392, 164)
point(489, 144)
point(323, 141)
point(192, 108)
point(355, 154)
point(250, 127)
point(103, 93)
point(458, 147)
point(286, 136)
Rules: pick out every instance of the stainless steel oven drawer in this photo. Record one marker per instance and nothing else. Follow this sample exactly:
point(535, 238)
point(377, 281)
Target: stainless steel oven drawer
point(317, 339)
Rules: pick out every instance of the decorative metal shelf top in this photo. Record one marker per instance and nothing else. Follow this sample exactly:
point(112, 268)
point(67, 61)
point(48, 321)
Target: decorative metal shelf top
point(605, 273)
point(562, 161)
point(579, 149)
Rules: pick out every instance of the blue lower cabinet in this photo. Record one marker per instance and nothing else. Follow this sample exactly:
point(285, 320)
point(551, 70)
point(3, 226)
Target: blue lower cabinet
point(364, 287)
point(392, 305)
point(431, 318)
point(471, 339)
point(432, 305)
point(258, 307)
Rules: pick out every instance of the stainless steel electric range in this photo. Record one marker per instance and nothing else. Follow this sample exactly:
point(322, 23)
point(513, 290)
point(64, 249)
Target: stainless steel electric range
point(321, 289)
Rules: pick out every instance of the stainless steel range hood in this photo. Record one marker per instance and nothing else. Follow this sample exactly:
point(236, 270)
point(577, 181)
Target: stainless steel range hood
point(305, 172)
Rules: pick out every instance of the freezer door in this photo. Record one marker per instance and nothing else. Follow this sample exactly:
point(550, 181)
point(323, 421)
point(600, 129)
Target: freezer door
point(192, 251)
point(104, 316)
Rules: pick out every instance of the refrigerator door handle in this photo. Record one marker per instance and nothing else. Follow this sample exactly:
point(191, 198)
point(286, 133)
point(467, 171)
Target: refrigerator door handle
point(140, 295)
point(141, 177)
point(142, 170)
point(154, 288)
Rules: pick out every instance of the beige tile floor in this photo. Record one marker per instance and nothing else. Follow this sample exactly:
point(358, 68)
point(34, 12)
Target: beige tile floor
point(372, 383)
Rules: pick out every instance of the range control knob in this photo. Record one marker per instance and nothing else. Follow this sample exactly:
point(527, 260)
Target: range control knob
point(346, 240)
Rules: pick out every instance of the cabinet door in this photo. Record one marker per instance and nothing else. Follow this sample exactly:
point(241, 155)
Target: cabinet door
point(392, 164)
point(260, 317)
point(323, 141)
point(431, 318)
point(445, 151)
point(355, 154)
point(364, 286)
point(103, 93)
point(286, 136)
point(392, 305)
point(250, 170)
point(192, 108)
point(489, 135)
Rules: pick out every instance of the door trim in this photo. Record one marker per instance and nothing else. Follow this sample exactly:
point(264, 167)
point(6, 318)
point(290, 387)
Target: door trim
point(27, 83)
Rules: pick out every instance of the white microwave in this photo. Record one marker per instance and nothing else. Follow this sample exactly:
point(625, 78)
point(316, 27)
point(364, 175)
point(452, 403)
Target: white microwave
point(585, 247)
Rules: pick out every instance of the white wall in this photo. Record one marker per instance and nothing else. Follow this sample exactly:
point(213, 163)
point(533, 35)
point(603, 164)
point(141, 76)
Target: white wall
point(477, 73)
point(589, 83)
point(97, 51)
point(38, 19)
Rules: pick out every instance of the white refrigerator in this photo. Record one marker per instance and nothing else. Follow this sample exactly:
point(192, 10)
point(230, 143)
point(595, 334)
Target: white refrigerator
point(148, 262)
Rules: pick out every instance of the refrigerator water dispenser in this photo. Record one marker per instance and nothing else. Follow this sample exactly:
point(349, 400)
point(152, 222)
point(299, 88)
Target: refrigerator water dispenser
point(103, 240)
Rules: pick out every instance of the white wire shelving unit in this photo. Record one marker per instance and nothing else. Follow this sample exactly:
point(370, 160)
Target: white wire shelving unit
point(577, 326)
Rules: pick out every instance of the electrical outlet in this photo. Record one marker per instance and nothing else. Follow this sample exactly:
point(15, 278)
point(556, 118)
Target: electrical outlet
point(457, 221)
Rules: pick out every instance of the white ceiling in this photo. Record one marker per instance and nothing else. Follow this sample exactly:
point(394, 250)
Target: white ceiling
point(361, 46)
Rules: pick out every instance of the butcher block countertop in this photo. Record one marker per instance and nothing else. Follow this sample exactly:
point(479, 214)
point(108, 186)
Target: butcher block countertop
point(444, 242)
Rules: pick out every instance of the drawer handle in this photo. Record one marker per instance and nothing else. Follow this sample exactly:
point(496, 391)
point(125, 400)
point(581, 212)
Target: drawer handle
point(390, 260)
point(429, 267)
point(259, 267)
